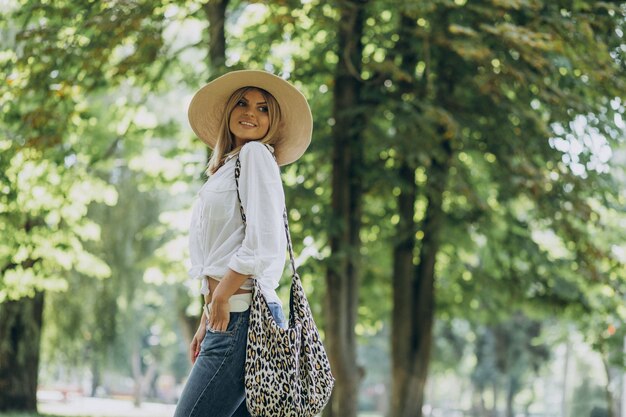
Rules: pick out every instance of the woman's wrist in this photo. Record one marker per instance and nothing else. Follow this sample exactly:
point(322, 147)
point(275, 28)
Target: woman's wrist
point(219, 297)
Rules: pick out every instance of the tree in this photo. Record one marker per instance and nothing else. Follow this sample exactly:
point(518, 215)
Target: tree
point(342, 278)
point(492, 83)
point(507, 353)
point(56, 55)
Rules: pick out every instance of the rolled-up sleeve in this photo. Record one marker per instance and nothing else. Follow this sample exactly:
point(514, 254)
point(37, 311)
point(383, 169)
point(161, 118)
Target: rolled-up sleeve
point(264, 246)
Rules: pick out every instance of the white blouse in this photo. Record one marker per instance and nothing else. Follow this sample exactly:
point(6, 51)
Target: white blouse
point(217, 239)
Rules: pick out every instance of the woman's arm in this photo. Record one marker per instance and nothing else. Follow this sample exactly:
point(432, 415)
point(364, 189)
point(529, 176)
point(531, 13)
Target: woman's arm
point(194, 346)
point(263, 200)
point(220, 309)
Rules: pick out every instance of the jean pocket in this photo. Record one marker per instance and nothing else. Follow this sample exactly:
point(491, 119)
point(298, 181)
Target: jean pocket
point(277, 312)
point(219, 332)
point(216, 341)
point(234, 322)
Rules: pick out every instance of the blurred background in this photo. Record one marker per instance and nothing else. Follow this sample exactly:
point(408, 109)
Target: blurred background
point(459, 218)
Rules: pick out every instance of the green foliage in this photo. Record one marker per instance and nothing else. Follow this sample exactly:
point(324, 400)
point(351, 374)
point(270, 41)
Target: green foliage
point(510, 91)
point(75, 116)
point(43, 208)
point(55, 55)
point(527, 181)
point(115, 315)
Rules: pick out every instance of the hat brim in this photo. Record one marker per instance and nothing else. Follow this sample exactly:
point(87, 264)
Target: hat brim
point(208, 105)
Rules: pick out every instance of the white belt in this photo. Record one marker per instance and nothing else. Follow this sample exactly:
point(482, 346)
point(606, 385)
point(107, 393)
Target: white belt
point(238, 303)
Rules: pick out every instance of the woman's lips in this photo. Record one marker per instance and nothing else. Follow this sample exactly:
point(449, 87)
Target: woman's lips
point(246, 123)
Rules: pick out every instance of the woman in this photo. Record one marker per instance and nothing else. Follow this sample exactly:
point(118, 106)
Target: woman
point(263, 121)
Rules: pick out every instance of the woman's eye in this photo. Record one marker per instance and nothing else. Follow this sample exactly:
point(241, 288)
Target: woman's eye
point(263, 109)
point(241, 103)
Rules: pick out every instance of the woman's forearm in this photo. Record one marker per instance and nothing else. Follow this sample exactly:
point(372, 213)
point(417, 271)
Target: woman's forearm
point(228, 285)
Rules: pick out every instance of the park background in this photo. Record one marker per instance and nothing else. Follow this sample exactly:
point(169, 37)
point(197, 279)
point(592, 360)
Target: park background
point(459, 217)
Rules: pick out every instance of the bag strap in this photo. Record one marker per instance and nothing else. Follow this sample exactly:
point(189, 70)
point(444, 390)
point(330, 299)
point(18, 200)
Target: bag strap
point(285, 220)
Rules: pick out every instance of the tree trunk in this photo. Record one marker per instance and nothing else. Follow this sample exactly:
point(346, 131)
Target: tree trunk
point(402, 325)
point(137, 377)
point(96, 376)
point(342, 279)
point(413, 287)
point(413, 340)
point(494, 408)
point(622, 400)
point(483, 406)
point(510, 396)
point(477, 402)
point(20, 333)
point(188, 324)
point(142, 381)
point(215, 11)
point(610, 402)
point(423, 313)
point(564, 402)
point(403, 299)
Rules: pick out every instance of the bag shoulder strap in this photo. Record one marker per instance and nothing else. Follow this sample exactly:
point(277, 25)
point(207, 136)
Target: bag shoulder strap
point(285, 219)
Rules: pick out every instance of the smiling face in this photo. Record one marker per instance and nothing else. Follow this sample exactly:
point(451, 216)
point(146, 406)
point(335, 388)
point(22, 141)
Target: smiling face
point(249, 120)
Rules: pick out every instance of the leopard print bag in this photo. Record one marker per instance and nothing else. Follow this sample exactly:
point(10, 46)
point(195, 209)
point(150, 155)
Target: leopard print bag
point(287, 372)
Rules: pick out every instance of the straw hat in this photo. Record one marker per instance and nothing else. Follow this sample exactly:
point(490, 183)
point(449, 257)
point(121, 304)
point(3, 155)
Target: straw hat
point(208, 104)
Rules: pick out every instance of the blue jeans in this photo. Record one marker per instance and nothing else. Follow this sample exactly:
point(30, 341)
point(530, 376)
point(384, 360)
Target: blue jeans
point(215, 387)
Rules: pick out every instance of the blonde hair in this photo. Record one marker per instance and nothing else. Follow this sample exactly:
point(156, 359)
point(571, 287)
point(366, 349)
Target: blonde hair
point(225, 144)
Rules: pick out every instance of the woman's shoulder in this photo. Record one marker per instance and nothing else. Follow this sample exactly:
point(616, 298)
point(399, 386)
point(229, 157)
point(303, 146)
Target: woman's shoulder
point(257, 149)
point(258, 158)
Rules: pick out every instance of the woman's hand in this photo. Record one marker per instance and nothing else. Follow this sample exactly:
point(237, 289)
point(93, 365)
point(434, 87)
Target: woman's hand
point(194, 346)
point(219, 315)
